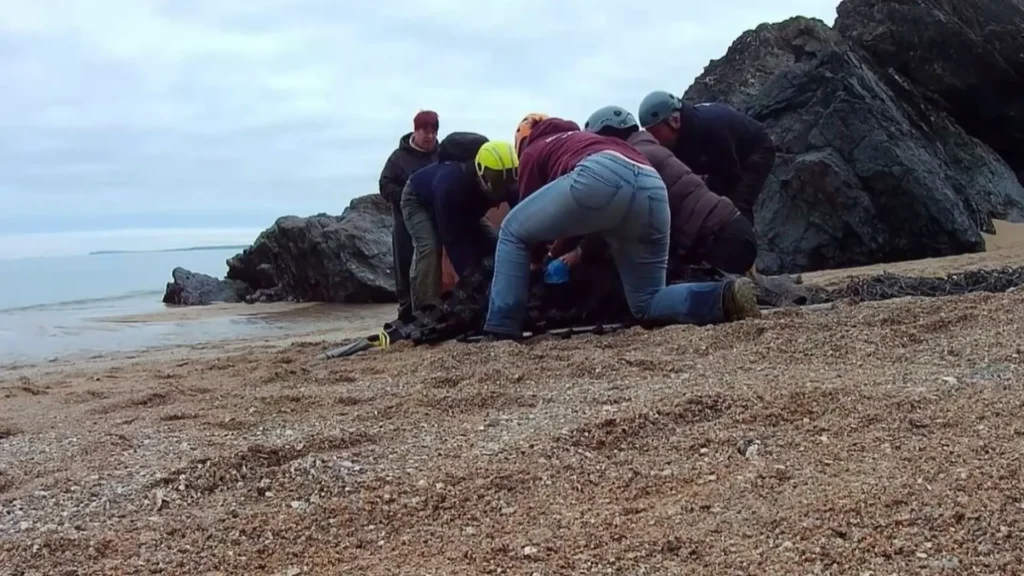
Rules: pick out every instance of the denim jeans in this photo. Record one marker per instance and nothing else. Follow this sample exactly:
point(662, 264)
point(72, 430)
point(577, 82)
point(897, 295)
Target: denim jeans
point(625, 202)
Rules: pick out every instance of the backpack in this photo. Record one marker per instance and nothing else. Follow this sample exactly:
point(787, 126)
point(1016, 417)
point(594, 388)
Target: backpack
point(460, 147)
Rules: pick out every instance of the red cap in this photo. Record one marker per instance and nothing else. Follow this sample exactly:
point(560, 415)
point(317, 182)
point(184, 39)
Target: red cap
point(425, 119)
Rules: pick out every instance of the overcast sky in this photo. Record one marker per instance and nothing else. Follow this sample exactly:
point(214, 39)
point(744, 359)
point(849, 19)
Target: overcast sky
point(220, 115)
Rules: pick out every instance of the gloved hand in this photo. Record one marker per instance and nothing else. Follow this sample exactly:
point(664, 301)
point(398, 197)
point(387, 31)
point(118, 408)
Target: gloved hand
point(557, 272)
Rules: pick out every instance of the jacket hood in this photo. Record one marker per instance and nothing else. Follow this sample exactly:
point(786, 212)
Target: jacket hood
point(405, 143)
point(550, 127)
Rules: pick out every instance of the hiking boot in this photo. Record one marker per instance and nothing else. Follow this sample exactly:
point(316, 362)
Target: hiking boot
point(739, 300)
point(405, 315)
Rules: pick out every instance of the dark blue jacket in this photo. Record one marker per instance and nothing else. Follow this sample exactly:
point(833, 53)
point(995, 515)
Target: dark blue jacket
point(716, 140)
point(450, 191)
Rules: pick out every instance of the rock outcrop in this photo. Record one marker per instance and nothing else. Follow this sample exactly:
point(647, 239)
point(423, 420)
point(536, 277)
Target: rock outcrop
point(868, 170)
point(322, 258)
point(194, 289)
point(319, 258)
point(966, 56)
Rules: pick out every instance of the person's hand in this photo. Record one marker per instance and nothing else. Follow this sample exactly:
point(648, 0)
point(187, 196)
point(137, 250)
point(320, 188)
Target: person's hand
point(572, 258)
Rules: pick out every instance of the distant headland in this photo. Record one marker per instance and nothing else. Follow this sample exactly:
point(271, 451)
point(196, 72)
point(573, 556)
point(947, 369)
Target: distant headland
point(190, 249)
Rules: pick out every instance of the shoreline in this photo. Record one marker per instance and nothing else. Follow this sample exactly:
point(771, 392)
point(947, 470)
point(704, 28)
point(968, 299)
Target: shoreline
point(306, 321)
point(281, 325)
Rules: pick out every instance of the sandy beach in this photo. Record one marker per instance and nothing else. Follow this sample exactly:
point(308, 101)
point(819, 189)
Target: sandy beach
point(878, 438)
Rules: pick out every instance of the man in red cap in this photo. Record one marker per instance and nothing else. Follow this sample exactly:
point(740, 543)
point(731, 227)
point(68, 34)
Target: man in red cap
point(415, 150)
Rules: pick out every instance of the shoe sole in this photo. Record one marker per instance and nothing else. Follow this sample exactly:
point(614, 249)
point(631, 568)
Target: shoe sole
point(743, 300)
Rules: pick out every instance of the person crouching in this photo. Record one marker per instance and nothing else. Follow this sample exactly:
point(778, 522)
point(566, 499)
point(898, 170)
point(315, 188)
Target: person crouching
point(573, 184)
point(445, 205)
point(706, 228)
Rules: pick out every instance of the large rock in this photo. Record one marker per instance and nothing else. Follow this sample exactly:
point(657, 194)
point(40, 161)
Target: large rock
point(189, 288)
point(322, 258)
point(867, 171)
point(966, 55)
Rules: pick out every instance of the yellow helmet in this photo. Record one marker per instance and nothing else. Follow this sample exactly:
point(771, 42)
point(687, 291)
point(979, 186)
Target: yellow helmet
point(498, 156)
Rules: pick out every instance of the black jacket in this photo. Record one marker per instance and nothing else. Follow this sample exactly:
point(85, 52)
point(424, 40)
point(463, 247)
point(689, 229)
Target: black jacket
point(400, 165)
point(716, 140)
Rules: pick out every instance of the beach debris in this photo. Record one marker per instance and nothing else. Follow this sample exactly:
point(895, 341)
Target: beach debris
point(749, 448)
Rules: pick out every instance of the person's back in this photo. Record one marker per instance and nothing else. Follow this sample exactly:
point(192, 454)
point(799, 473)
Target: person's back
point(696, 211)
point(733, 150)
point(556, 146)
point(705, 226)
point(714, 118)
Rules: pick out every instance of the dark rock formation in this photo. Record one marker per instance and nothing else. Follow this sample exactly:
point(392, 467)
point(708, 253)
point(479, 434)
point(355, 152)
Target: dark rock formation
point(868, 171)
point(194, 289)
point(322, 258)
point(967, 56)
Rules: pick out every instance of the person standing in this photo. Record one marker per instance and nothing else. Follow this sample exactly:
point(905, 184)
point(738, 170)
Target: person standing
point(416, 150)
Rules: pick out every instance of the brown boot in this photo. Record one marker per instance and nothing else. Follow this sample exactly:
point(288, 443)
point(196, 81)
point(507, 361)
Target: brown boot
point(739, 300)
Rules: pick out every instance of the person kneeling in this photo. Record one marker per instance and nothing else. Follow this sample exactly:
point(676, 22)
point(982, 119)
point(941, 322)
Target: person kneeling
point(445, 205)
point(706, 228)
point(573, 184)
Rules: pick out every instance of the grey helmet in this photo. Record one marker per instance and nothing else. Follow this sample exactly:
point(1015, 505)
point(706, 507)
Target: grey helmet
point(657, 107)
point(609, 116)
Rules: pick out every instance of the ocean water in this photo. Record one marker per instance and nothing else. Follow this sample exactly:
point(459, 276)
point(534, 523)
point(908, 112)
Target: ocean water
point(59, 306)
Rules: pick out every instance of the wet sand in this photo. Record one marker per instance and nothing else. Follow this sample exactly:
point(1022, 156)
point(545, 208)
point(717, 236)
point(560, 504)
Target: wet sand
point(873, 439)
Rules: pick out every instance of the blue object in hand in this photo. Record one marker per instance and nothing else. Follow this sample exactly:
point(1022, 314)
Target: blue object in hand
point(557, 272)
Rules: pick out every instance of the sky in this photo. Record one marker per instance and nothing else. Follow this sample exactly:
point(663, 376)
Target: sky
point(150, 124)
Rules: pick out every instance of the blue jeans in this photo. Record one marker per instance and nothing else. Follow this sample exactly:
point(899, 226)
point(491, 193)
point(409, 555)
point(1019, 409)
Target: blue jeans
point(627, 204)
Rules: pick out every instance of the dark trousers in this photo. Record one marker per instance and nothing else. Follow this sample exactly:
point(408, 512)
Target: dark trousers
point(401, 258)
point(753, 174)
point(732, 249)
point(426, 273)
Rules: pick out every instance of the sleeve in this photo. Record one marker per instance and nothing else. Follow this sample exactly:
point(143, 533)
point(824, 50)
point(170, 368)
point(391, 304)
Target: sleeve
point(445, 202)
point(392, 179)
point(564, 246)
point(726, 179)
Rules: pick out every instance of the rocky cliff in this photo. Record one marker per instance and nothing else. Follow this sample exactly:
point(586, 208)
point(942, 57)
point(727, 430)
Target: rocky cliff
point(965, 56)
point(900, 134)
point(870, 169)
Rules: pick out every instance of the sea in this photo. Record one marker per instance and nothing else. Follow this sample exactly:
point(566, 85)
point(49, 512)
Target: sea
point(67, 307)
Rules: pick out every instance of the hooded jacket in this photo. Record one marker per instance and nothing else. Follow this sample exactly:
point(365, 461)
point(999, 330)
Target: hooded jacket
point(400, 165)
point(554, 148)
point(697, 212)
point(717, 140)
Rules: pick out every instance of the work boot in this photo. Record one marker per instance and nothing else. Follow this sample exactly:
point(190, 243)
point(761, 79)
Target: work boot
point(739, 300)
point(405, 315)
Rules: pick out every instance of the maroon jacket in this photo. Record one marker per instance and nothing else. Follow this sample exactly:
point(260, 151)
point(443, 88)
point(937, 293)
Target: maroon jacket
point(697, 212)
point(556, 146)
